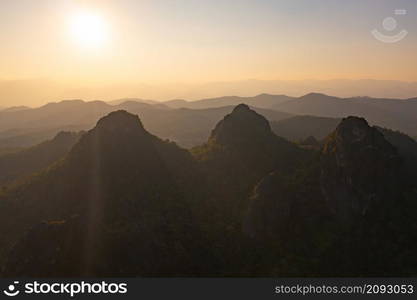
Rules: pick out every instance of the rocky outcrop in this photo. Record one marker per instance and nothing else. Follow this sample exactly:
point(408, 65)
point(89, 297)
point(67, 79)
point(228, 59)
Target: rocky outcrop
point(359, 169)
point(244, 137)
point(241, 127)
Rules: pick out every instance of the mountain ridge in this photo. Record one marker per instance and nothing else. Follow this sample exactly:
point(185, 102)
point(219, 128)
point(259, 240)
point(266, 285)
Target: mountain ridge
point(125, 203)
point(117, 191)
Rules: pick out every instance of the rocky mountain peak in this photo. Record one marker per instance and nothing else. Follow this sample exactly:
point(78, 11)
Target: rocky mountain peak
point(118, 141)
point(354, 129)
point(120, 121)
point(240, 126)
point(241, 107)
point(359, 168)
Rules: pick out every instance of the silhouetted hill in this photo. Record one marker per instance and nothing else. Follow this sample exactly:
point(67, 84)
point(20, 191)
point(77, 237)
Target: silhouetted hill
point(301, 127)
point(125, 203)
point(241, 150)
point(31, 126)
point(364, 182)
point(38, 91)
point(347, 213)
point(120, 101)
point(397, 114)
point(328, 106)
point(14, 108)
point(352, 188)
point(245, 137)
point(20, 164)
point(405, 145)
point(189, 122)
point(261, 101)
point(191, 127)
point(128, 204)
point(241, 127)
point(188, 127)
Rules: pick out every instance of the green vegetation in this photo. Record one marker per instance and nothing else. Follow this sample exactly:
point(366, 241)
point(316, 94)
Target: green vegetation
point(246, 203)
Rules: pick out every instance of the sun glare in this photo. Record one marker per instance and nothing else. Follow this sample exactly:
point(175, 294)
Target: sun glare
point(88, 30)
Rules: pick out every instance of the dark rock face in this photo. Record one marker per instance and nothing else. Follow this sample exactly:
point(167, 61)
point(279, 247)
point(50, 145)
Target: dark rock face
point(270, 207)
point(241, 151)
point(359, 168)
point(350, 213)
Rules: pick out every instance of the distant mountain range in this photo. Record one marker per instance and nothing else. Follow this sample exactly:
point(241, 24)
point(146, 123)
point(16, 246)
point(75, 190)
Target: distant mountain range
point(19, 164)
point(36, 92)
point(188, 122)
point(14, 108)
point(188, 127)
point(397, 114)
point(262, 100)
point(298, 128)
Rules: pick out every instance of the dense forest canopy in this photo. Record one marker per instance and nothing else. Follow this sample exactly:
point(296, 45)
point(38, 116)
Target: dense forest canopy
point(119, 201)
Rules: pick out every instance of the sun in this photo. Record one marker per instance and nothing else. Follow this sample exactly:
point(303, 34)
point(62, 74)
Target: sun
point(88, 30)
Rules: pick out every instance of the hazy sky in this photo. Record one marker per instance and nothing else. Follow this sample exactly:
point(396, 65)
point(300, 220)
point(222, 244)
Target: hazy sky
point(189, 41)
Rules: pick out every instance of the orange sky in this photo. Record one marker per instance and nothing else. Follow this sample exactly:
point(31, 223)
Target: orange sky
point(195, 41)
